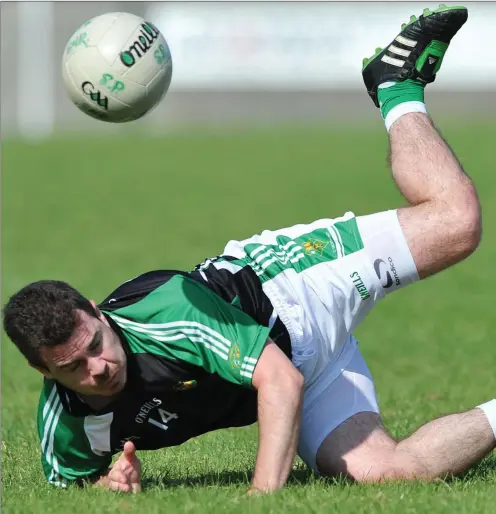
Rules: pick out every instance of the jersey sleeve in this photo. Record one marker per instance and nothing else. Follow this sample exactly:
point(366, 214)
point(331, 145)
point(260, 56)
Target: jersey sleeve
point(185, 321)
point(71, 450)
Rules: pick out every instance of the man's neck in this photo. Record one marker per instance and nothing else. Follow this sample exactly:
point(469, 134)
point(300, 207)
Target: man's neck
point(96, 402)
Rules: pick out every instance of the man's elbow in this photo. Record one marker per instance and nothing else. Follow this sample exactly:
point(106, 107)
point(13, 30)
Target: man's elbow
point(291, 380)
point(298, 380)
point(275, 371)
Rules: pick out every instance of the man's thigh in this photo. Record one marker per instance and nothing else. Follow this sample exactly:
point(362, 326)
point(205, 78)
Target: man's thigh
point(359, 448)
point(340, 418)
point(323, 278)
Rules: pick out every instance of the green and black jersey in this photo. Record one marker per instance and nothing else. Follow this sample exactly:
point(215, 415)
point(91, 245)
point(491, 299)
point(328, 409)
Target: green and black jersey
point(192, 342)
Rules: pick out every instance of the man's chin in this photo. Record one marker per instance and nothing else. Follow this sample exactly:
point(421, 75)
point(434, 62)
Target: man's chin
point(115, 386)
point(104, 392)
point(111, 388)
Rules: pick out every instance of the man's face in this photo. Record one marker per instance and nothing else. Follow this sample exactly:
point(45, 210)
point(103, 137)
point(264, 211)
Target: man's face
point(92, 362)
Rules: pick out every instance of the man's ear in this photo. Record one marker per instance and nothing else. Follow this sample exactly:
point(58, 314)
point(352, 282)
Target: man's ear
point(42, 370)
point(97, 310)
point(101, 317)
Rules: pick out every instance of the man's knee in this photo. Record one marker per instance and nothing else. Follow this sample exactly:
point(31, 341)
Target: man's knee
point(382, 465)
point(361, 449)
point(462, 216)
point(394, 465)
point(468, 218)
point(444, 230)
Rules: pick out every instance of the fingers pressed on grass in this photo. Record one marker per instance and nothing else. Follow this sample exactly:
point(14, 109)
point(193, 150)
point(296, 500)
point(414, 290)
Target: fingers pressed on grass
point(119, 477)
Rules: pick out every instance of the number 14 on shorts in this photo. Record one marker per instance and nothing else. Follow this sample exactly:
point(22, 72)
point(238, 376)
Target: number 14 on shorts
point(165, 416)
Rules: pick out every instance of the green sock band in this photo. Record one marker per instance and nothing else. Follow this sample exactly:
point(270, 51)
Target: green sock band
point(395, 93)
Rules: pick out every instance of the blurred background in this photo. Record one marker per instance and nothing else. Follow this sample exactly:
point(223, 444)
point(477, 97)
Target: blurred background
point(239, 63)
point(266, 124)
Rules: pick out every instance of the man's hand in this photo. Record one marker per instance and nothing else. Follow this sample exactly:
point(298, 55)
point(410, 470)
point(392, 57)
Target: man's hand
point(280, 393)
point(125, 474)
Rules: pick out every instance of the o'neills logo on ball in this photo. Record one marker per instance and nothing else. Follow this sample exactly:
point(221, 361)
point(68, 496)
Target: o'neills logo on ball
point(147, 36)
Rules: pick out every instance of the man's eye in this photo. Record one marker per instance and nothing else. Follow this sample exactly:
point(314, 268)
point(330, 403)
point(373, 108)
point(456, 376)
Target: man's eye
point(74, 366)
point(95, 345)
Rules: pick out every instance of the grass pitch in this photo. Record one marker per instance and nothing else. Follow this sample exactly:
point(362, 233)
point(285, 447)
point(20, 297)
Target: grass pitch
point(98, 212)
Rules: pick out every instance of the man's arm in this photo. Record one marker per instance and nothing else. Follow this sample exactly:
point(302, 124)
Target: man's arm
point(280, 393)
point(70, 453)
point(204, 330)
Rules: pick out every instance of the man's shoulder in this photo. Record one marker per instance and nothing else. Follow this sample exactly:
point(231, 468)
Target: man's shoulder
point(134, 290)
point(57, 400)
point(156, 295)
point(48, 391)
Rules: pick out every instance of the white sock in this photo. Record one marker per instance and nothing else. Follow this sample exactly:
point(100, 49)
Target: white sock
point(489, 409)
point(404, 108)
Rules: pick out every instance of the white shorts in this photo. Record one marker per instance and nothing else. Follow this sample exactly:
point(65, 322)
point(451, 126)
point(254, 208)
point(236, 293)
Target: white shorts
point(323, 279)
point(325, 408)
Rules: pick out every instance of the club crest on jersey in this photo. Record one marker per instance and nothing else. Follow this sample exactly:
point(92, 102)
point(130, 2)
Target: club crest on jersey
point(235, 356)
point(313, 246)
point(184, 386)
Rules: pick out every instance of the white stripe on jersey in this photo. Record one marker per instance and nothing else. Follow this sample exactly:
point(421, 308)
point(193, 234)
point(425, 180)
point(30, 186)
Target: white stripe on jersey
point(51, 459)
point(49, 401)
point(166, 328)
point(204, 339)
point(230, 266)
point(338, 240)
point(48, 422)
point(97, 429)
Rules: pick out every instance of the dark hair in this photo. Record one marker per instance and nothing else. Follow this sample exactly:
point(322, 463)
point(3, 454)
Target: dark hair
point(43, 314)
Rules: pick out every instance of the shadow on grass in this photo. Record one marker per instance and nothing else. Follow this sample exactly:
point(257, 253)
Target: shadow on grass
point(224, 478)
point(485, 470)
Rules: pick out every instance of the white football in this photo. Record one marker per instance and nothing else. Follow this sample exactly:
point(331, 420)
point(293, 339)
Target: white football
point(117, 67)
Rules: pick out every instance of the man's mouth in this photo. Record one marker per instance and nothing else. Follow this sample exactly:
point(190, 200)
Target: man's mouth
point(112, 381)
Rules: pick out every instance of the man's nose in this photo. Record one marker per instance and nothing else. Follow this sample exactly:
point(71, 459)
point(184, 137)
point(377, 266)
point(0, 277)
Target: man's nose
point(97, 367)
